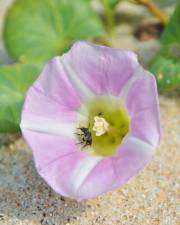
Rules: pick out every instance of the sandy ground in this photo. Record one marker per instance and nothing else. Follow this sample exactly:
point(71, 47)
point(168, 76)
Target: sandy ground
point(150, 198)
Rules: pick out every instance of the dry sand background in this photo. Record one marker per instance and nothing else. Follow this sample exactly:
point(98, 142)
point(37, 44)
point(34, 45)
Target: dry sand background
point(150, 198)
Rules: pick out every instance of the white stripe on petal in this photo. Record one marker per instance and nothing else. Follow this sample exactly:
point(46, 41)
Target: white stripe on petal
point(84, 92)
point(137, 73)
point(138, 142)
point(48, 126)
point(82, 171)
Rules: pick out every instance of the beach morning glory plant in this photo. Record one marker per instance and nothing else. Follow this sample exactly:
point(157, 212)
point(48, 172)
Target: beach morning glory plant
point(92, 120)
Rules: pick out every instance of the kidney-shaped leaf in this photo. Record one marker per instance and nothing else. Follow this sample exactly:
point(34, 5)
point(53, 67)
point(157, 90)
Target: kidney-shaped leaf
point(14, 82)
point(36, 30)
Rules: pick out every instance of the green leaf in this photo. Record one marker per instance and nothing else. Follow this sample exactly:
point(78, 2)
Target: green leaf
point(166, 66)
point(112, 3)
point(37, 30)
point(167, 73)
point(14, 82)
point(172, 31)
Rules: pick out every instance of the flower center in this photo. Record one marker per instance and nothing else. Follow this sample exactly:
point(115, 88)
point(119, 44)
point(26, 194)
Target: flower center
point(107, 125)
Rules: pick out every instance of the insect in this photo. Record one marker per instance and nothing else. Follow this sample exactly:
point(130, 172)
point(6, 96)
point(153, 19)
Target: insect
point(100, 114)
point(86, 137)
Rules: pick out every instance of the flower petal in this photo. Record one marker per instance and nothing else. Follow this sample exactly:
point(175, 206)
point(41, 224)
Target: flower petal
point(82, 89)
point(51, 104)
point(52, 156)
point(59, 161)
point(100, 180)
point(67, 174)
point(133, 155)
point(143, 106)
point(66, 169)
point(101, 68)
point(42, 114)
point(48, 148)
point(110, 173)
point(53, 82)
point(76, 175)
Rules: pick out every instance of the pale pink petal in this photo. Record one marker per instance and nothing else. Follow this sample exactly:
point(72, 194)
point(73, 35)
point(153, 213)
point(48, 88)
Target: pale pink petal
point(48, 148)
point(100, 180)
point(51, 103)
point(50, 151)
point(67, 174)
point(113, 172)
point(101, 68)
point(53, 82)
point(133, 155)
point(75, 174)
point(43, 106)
point(81, 88)
point(143, 106)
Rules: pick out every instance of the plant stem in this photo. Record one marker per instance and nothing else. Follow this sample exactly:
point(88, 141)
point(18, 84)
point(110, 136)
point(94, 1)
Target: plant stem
point(150, 5)
point(109, 17)
point(156, 11)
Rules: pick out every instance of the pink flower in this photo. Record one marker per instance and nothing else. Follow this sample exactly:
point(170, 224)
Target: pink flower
point(92, 120)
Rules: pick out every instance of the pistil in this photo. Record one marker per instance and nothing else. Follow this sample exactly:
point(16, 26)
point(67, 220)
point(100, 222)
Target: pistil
point(101, 126)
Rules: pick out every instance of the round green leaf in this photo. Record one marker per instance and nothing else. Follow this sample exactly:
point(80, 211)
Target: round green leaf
point(36, 30)
point(14, 82)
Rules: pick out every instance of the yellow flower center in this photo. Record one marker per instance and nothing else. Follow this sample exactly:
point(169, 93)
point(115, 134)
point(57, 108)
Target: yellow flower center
point(108, 123)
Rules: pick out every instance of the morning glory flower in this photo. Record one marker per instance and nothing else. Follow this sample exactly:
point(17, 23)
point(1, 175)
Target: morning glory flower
point(92, 120)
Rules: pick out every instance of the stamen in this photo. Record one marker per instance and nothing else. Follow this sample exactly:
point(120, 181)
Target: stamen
point(101, 126)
